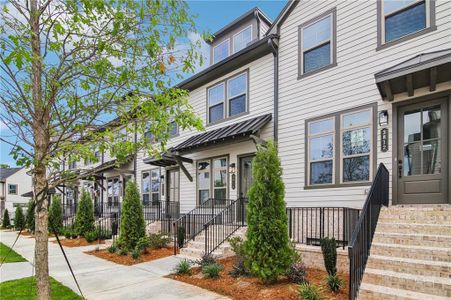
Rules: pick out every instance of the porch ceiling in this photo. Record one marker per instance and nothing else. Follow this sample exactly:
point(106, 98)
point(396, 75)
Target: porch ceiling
point(423, 70)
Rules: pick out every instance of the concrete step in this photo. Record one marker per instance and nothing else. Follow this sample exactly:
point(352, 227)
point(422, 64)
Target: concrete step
point(417, 218)
point(431, 285)
point(419, 228)
point(410, 266)
point(413, 252)
point(198, 253)
point(413, 239)
point(418, 207)
point(376, 292)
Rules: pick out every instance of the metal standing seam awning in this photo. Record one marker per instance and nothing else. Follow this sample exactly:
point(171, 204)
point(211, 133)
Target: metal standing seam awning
point(423, 70)
point(29, 194)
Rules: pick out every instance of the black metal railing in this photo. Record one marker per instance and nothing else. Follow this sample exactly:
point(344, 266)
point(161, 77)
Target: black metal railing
point(307, 225)
point(224, 224)
point(362, 236)
point(192, 223)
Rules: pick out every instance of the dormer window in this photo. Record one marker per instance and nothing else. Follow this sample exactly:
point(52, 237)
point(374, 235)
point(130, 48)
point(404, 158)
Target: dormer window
point(242, 38)
point(221, 51)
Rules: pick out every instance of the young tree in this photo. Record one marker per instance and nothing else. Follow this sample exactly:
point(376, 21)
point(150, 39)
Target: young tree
point(19, 219)
point(6, 223)
point(268, 249)
point(133, 226)
point(66, 66)
point(56, 214)
point(30, 216)
point(84, 218)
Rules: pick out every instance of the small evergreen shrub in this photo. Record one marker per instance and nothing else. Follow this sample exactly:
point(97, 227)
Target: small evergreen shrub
point(159, 240)
point(143, 244)
point(268, 249)
point(183, 267)
point(84, 218)
point(239, 268)
point(334, 282)
point(67, 233)
point(212, 270)
point(297, 273)
point(180, 236)
point(6, 223)
point(56, 215)
point(122, 251)
point(19, 219)
point(329, 250)
point(136, 253)
point(104, 234)
point(308, 291)
point(206, 259)
point(133, 226)
point(30, 216)
point(112, 248)
point(91, 236)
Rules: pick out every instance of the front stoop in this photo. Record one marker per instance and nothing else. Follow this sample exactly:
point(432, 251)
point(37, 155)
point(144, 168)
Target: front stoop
point(410, 255)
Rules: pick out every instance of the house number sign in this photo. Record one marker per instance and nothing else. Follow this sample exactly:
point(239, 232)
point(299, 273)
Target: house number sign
point(384, 139)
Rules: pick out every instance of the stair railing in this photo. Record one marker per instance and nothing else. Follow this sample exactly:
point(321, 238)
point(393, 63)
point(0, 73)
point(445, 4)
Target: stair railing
point(223, 225)
point(362, 236)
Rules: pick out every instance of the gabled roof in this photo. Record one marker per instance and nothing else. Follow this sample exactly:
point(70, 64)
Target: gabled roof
point(226, 133)
point(6, 172)
point(284, 13)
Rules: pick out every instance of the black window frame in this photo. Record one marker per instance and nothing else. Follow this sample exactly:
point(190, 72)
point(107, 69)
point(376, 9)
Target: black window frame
point(16, 186)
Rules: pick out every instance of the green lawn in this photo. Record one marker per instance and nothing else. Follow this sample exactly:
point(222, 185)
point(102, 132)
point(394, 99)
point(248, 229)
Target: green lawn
point(10, 256)
point(25, 288)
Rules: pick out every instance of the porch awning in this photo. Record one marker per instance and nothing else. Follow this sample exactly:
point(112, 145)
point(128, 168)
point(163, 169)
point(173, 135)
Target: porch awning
point(422, 71)
point(30, 193)
point(106, 166)
point(166, 160)
point(226, 133)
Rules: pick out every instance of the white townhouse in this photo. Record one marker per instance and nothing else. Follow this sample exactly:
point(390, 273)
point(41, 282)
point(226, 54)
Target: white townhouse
point(13, 183)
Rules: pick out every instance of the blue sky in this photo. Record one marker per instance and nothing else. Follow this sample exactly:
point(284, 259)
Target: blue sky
point(211, 16)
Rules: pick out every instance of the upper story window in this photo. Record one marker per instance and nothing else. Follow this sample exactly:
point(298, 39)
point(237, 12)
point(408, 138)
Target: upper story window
point(12, 189)
point(317, 44)
point(72, 164)
point(173, 129)
point(221, 51)
point(242, 38)
point(402, 18)
point(228, 98)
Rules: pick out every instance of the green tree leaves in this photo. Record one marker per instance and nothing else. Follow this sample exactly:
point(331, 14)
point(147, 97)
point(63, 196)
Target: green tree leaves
point(84, 218)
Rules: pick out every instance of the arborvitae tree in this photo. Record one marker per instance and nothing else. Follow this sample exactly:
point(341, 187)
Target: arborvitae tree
point(19, 219)
point(133, 226)
point(6, 222)
point(56, 215)
point(84, 218)
point(268, 249)
point(30, 216)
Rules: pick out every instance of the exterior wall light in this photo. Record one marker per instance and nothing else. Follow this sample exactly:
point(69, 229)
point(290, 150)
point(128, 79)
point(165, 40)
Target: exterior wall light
point(383, 118)
point(232, 168)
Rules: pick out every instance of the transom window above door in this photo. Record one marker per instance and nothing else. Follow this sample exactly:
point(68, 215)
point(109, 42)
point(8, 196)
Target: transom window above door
point(403, 18)
point(228, 98)
point(317, 44)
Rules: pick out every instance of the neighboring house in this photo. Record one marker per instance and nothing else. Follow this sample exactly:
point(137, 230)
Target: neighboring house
point(13, 183)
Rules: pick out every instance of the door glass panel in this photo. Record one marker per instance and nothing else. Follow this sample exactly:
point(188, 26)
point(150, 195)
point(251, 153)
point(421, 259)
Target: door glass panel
point(431, 157)
point(412, 159)
point(412, 126)
point(246, 177)
point(431, 123)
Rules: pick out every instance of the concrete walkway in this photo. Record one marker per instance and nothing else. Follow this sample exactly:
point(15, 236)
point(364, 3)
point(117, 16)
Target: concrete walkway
point(101, 279)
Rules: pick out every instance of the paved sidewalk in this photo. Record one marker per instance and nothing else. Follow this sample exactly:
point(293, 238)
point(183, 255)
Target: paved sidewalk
point(101, 279)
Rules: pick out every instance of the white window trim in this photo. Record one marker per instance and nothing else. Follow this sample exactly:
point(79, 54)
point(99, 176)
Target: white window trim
point(228, 50)
point(233, 38)
point(230, 97)
point(405, 7)
point(321, 134)
point(17, 188)
point(371, 154)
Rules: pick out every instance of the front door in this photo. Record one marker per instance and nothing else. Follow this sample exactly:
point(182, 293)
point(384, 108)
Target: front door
point(246, 179)
point(422, 153)
point(173, 192)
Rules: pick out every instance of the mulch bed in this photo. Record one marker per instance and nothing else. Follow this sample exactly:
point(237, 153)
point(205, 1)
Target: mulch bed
point(26, 233)
point(127, 260)
point(251, 288)
point(78, 242)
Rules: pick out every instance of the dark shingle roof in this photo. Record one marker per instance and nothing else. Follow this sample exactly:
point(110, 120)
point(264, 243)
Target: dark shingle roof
point(6, 172)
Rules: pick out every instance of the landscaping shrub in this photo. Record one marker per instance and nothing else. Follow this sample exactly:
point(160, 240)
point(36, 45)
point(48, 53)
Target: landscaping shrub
point(297, 273)
point(180, 236)
point(84, 218)
point(334, 282)
point(6, 223)
point(135, 253)
point(308, 291)
point(133, 226)
point(183, 267)
point(329, 249)
point(56, 215)
point(143, 244)
point(30, 216)
point(67, 233)
point(268, 250)
point(112, 248)
point(206, 259)
point(122, 251)
point(19, 219)
point(239, 268)
point(91, 236)
point(104, 234)
point(211, 270)
point(158, 240)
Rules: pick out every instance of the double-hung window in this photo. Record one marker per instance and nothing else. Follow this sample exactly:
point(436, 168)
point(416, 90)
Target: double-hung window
point(317, 43)
point(173, 129)
point(341, 148)
point(242, 39)
point(228, 98)
point(221, 51)
point(150, 186)
point(12, 189)
point(212, 179)
point(401, 18)
point(114, 191)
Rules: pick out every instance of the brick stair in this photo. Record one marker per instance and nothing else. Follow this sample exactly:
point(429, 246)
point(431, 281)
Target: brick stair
point(410, 255)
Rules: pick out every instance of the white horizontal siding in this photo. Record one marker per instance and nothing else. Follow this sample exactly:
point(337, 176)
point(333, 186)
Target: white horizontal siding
point(350, 84)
